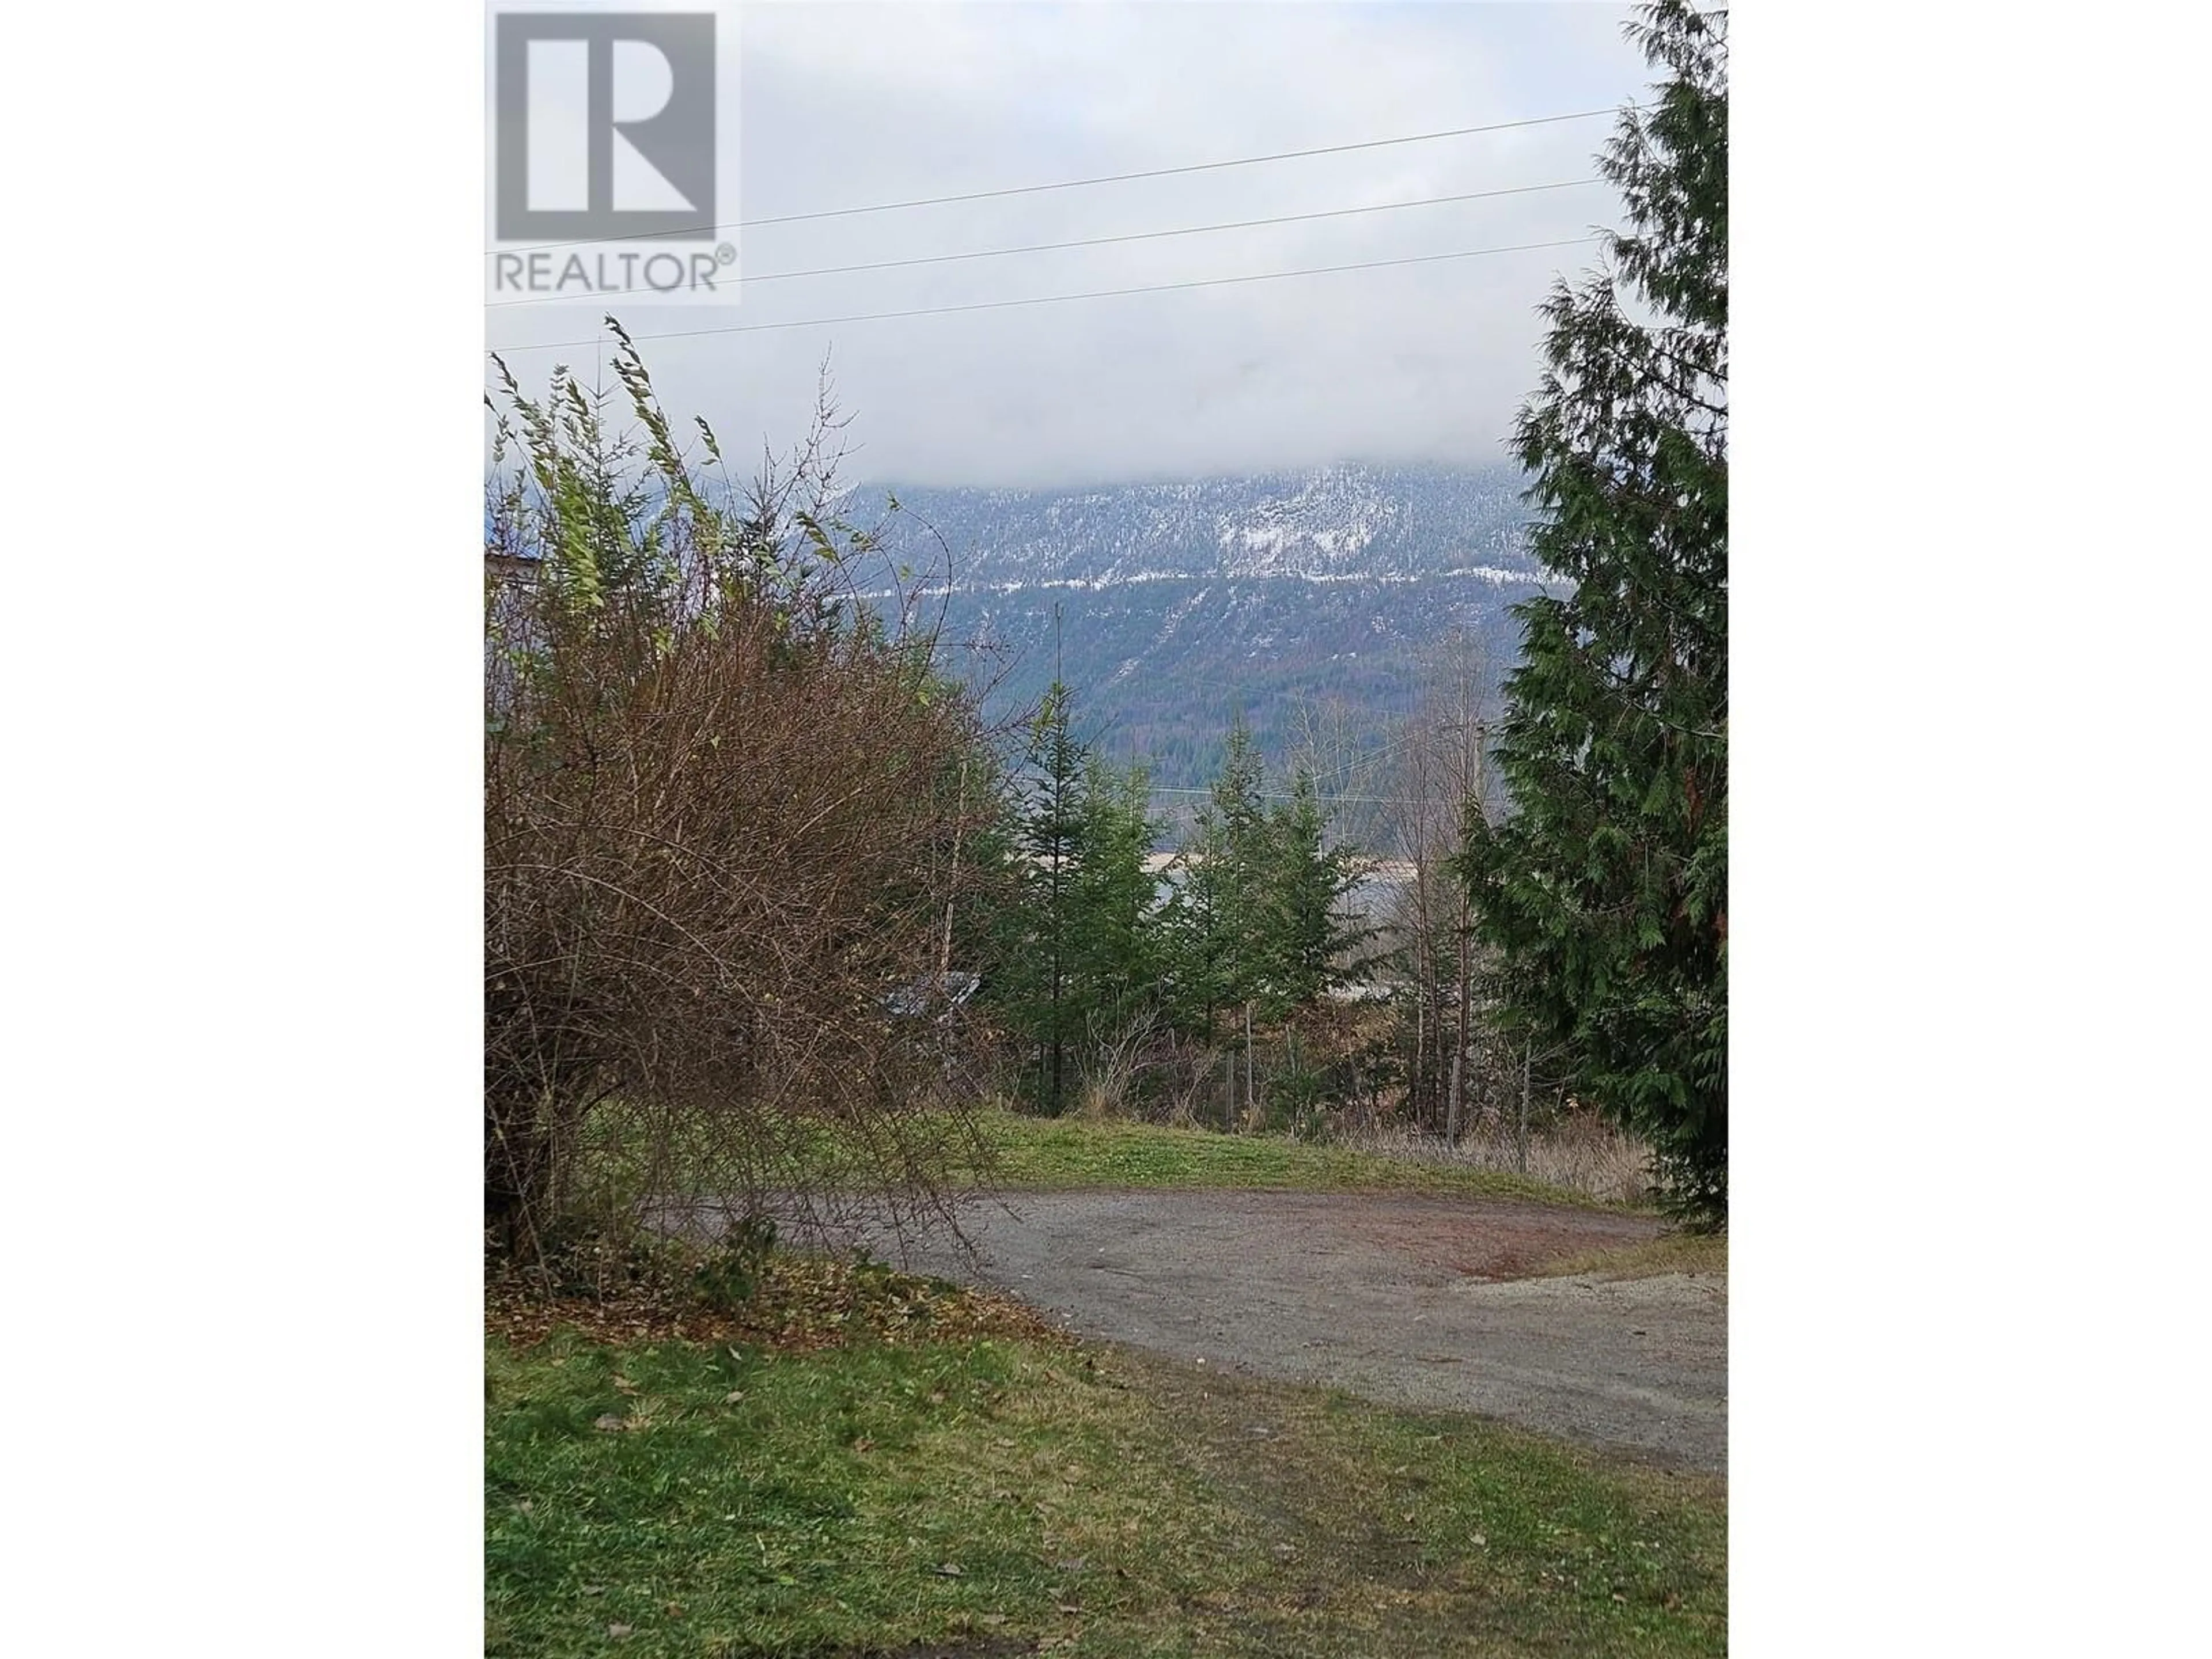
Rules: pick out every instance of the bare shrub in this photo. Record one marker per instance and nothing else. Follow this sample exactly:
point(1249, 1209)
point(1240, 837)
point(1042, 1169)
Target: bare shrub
point(1114, 1059)
point(723, 817)
point(1184, 1069)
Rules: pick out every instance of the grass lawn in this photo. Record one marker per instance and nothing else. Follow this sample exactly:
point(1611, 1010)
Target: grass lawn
point(909, 1492)
point(1069, 1152)
point(1013, 1150)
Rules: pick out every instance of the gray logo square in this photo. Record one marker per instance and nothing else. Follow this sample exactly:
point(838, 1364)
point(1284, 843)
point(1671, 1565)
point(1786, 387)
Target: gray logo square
point(672, 147)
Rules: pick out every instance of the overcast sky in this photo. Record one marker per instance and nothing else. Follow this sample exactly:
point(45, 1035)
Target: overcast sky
point(844, 105)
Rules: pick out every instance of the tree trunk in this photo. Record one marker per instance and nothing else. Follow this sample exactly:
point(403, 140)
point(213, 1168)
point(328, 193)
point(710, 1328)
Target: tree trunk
point(1248, 1088)
point(952, 886)
point(1466, 1021)
point(1521, 1159)
point(517, 1168)
point(1452, 1097)
point(1415, 1092)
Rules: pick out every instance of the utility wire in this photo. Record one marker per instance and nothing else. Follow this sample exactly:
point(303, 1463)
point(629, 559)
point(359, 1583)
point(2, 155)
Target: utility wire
point(1056, 298)
point(1071, 183)
point(1368, 757)
point(1055, 247)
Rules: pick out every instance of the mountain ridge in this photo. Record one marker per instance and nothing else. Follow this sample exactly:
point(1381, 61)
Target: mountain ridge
point(1172, 609)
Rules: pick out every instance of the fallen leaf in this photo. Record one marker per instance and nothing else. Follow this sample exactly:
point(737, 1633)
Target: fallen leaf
point(947, 1569)
point(864, 1444)
point(608, 1423)
point(733, 1396)
point(615, 1632)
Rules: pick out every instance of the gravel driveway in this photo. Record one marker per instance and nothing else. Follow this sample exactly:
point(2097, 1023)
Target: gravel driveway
point(1408, 1300)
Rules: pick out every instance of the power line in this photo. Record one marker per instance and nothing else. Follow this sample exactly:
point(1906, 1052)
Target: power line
point(1070, 184)
point(1056, 299)
point(1368, 757)
point(1055, 247)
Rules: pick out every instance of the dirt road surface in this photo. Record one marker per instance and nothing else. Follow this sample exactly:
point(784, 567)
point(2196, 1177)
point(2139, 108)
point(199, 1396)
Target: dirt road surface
point(1413, 1301)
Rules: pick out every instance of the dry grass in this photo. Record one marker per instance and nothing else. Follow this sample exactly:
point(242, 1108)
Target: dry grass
point(1582, 1154)
point(1075, 1153)
point(1704, 1255)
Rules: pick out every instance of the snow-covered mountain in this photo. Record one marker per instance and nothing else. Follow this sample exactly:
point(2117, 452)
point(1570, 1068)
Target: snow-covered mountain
point(1180, 604)
point(1340, 523)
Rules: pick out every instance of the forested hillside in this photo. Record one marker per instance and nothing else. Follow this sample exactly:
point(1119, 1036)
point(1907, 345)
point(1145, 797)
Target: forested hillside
point(1295, 599)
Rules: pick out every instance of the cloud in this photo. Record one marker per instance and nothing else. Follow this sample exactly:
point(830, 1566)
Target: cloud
point(847, 104)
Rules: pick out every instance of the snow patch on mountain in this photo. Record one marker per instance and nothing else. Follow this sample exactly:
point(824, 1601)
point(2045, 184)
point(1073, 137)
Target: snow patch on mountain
point(1326, 524)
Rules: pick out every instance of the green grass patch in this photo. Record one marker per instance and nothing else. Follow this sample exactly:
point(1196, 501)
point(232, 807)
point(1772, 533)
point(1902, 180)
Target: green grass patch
point(622, 1162)
point(1040, 1154)
point(1002, 1495)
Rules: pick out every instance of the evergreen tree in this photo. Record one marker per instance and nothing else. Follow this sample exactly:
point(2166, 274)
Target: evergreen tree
point(1213, 916)
point(1258, 920)
point(1115, 944)
point(1051, 840)
point(1304, 930)
point(1606, 884)
point(1080, 952)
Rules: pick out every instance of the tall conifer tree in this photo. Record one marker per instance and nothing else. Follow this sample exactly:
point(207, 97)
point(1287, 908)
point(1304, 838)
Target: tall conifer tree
point(1052, 838)
point(1303, 902)
point(1213, 915)
point(1116, 948)
point(1606, 884)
